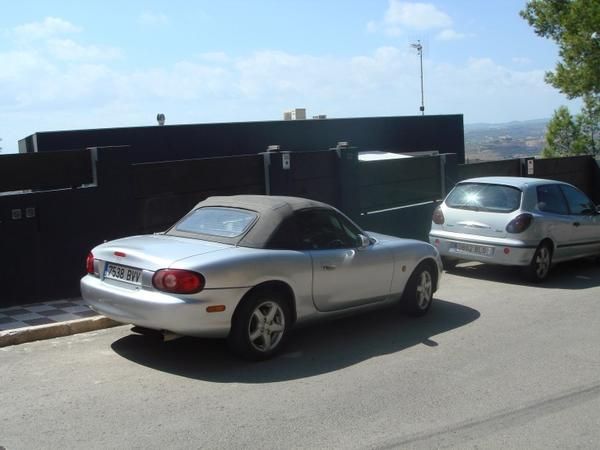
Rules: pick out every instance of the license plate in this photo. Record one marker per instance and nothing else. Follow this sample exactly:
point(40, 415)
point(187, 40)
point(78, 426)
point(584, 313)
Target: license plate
point(474, 249)
point(123, 273)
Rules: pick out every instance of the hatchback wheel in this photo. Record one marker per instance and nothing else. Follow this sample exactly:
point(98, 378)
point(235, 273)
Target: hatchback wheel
point(539, 268)
point(418, 294)
point(260, 326)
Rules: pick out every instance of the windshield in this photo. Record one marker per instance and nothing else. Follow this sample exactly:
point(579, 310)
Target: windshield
point(222, 222)
point(484, 197)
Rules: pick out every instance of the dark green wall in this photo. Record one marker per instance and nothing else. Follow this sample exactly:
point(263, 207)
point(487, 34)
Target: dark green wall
point(442, 133)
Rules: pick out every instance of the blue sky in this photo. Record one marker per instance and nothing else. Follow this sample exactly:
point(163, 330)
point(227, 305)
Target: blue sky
point(90, 64)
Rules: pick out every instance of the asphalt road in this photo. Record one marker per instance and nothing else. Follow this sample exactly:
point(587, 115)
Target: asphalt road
point(497, 364)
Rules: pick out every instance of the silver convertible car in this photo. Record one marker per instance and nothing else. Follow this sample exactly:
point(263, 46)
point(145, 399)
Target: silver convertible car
point(528, 222)
point(248, 268)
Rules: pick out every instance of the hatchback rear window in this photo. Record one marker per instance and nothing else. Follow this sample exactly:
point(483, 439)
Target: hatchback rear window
point(222, 222)
point(484, 197)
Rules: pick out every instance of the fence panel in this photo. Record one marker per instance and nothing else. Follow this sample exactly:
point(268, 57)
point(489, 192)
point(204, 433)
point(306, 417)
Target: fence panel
point(165, 191)
point(397, 182)
point(503, 168)
point(577, 170)
point(311, 175)
point(45, 239)
point(38, 171)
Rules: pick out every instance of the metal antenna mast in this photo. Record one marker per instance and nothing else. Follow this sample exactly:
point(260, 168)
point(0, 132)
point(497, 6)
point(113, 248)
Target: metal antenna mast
point(419, 48)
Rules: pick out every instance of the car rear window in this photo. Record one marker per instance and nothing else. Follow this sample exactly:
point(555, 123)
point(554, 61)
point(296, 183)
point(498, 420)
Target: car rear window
point(222, 222)
point(484, 197)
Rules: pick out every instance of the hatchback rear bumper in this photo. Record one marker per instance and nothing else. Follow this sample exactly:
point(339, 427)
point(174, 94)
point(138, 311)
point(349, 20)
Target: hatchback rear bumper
point(507, 252)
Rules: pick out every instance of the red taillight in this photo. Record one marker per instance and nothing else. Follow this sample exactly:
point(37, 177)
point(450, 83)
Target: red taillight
point(519, 223)
point(178, 281)
point(438, 216)
point(89, 263)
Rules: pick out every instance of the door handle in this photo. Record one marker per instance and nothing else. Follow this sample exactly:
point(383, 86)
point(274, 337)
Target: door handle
point(329, 266)
point(576, 224)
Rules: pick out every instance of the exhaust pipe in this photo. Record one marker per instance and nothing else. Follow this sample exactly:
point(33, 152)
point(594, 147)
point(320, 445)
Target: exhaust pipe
point(163, 335)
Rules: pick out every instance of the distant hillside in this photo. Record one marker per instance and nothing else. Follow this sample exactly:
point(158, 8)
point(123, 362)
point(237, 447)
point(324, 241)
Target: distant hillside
point(492, 141)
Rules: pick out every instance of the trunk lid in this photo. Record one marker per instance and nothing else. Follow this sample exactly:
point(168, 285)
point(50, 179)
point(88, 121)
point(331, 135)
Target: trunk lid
point(480, 223)
point(153, 252)
point(482, 209)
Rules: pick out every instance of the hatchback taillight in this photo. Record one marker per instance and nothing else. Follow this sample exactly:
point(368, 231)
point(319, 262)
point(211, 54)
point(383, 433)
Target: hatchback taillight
point(89, 263)
point(178, 281)
point(519, 223)
point(438, 216)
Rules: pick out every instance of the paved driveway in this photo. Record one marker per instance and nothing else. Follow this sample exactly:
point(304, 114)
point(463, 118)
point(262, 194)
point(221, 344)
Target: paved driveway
point(497, 364)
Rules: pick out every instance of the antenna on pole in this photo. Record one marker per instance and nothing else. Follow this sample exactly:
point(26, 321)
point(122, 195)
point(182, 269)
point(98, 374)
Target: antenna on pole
point(419, 49)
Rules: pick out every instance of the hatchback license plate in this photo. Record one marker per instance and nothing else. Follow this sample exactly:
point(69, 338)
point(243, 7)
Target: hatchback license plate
point(474, 249)
point(123, 273)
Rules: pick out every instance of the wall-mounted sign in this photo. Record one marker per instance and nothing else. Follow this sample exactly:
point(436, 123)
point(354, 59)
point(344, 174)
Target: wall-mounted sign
point(530, 167)
point(285, 160)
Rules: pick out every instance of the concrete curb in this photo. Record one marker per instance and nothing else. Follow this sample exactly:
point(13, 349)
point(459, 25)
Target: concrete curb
point(53, 330)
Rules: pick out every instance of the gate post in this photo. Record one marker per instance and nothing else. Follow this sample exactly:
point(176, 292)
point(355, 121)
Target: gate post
point(277, 165)
point(448, 172)
point(527, 167)
point(349, 200)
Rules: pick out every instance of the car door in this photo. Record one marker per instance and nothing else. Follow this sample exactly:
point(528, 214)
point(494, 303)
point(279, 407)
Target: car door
point(344, 274)
point(585, 221)
point(556, 219)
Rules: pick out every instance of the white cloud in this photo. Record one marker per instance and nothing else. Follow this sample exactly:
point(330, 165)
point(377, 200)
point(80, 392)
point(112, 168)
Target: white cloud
point(520, 60)
point(50, 26)
point(383, 82)
point(450, 35)
point(214, 57)
point(403, 17)
point(68, 50)
point(372, 26)
point(153, 19)
point(62, 84)
point(416, 16)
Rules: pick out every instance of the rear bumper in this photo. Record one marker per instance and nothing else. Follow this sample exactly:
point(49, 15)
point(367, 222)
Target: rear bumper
point(507, 252)
point(184, 315)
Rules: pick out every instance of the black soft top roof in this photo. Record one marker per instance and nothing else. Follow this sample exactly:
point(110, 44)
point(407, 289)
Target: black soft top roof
point(271, 211)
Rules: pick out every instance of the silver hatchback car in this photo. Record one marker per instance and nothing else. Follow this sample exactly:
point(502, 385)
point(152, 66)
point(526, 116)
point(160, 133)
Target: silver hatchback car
point(528, 222)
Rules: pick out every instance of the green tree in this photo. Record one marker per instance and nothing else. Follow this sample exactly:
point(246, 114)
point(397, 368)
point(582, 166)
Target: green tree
point(575, 26)
point(588, 123)
point(561, 135)
point(569, 136)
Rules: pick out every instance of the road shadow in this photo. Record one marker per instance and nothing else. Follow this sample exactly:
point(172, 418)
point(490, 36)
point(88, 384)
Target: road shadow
point(312, 350)
point(571, 275)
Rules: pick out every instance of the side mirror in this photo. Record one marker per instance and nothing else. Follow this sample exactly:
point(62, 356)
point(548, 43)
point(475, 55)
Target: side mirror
point(365, 241)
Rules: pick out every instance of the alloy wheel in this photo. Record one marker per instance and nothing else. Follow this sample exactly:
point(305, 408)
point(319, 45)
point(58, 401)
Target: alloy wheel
point(542, 262)
point(266, 326)
point(424, 290)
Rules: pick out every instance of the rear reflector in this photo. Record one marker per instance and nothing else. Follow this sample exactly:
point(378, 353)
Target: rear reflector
point(121, 254)
point(178, 281)
point(215, 308)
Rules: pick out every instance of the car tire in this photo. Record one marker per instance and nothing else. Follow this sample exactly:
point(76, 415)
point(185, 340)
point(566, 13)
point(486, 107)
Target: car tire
point(449, 264)
point(418, 293)
point(539, 267)
point(260, 326)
